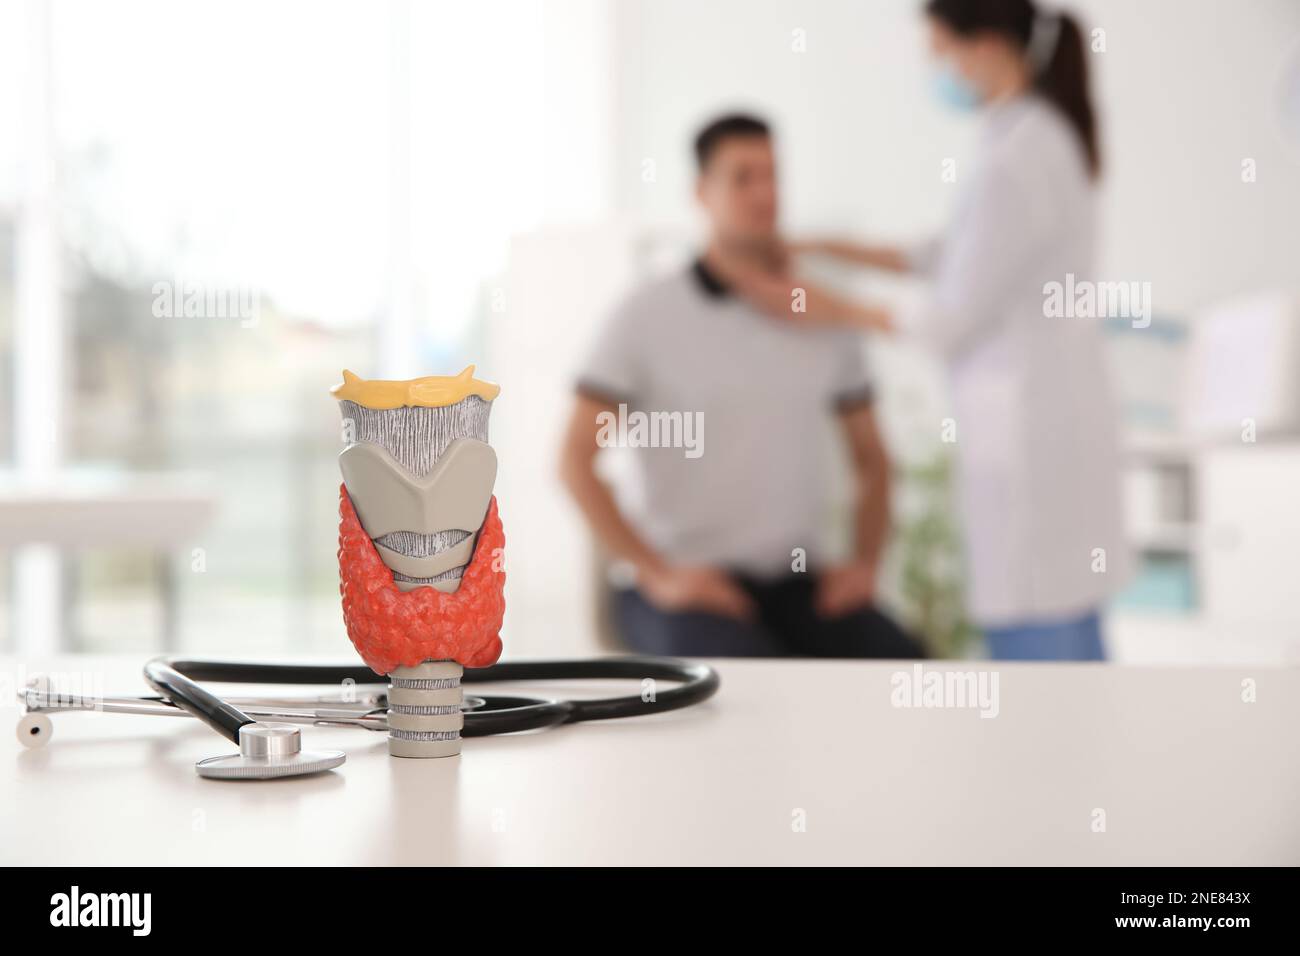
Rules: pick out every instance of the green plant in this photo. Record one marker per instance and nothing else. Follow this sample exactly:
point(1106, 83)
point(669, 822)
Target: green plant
point(931, 585)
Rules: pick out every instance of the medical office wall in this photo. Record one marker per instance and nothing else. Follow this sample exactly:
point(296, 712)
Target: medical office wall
point(1198, 102)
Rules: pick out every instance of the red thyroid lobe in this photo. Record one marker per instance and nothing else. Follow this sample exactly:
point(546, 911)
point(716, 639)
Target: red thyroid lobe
point(391, 628)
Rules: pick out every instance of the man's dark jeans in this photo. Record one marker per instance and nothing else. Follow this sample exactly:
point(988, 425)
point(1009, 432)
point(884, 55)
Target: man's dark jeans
point(787, 626)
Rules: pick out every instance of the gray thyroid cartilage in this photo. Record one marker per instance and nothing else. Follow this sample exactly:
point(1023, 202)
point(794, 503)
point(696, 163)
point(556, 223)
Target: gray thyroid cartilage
point(454, 495)
point(421, 480)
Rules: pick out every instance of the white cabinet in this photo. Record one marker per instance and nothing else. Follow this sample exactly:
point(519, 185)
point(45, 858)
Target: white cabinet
point(1236, 528)
point(1250, 536)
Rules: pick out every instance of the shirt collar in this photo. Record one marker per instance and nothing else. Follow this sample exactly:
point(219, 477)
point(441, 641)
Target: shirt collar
point(708, 281)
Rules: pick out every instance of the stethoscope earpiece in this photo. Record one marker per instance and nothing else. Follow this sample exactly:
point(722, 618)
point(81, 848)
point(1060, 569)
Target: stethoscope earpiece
point(34, 730)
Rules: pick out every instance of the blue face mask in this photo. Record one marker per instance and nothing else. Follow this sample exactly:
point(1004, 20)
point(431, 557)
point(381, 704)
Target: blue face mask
point(954, 90)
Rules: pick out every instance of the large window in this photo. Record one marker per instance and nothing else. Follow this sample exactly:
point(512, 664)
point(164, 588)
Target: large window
point(225, 224)
point(11, 66)
point(247, 198)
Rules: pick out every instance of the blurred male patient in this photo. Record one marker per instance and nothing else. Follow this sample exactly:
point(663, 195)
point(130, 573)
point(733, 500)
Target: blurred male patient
point(725, 409)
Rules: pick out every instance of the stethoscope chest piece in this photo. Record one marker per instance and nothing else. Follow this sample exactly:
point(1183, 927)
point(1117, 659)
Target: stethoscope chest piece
point(269, 750)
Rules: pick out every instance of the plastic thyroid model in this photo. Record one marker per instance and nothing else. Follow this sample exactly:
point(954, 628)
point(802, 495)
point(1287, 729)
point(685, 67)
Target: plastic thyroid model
point(420, 546)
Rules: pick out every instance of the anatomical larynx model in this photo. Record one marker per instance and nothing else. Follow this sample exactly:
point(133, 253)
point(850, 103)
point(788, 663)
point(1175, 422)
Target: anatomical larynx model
point(420, 546)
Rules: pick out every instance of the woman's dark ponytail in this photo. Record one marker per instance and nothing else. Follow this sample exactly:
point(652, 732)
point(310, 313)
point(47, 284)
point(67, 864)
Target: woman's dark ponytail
point(1053, 44)
point(1063, 80)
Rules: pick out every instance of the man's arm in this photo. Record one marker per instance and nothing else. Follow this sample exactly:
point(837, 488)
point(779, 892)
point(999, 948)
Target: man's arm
point(671, 588)
point(850, 586)
point(578, 472)
point(871, 469)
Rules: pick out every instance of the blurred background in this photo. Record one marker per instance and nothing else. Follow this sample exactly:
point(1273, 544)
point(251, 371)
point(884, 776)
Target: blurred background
point(405, 187)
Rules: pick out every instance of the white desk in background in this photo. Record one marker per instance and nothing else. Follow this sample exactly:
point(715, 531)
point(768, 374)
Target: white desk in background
point(75, 509)
point(1183, 769)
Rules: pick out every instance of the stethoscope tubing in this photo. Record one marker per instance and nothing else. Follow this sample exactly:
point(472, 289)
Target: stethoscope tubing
point(177, 679)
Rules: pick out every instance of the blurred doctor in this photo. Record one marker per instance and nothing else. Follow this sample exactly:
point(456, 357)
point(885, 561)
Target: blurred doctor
point(1033, 417)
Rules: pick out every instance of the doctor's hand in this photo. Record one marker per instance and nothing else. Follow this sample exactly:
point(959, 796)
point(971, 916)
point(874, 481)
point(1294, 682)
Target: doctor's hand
point(696, 589)
point(785, 296)
point(844, 588)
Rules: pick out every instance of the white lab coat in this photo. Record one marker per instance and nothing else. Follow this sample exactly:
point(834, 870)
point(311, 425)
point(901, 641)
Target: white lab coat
point(1036, 428)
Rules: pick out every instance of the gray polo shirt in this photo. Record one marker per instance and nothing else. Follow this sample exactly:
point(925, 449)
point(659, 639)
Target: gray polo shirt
point(726, 422)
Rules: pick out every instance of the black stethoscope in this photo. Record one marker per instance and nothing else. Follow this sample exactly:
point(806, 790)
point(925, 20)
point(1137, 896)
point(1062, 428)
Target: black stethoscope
point(270, 746)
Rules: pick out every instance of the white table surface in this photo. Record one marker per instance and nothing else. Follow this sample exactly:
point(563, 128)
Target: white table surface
point(1185, 772)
